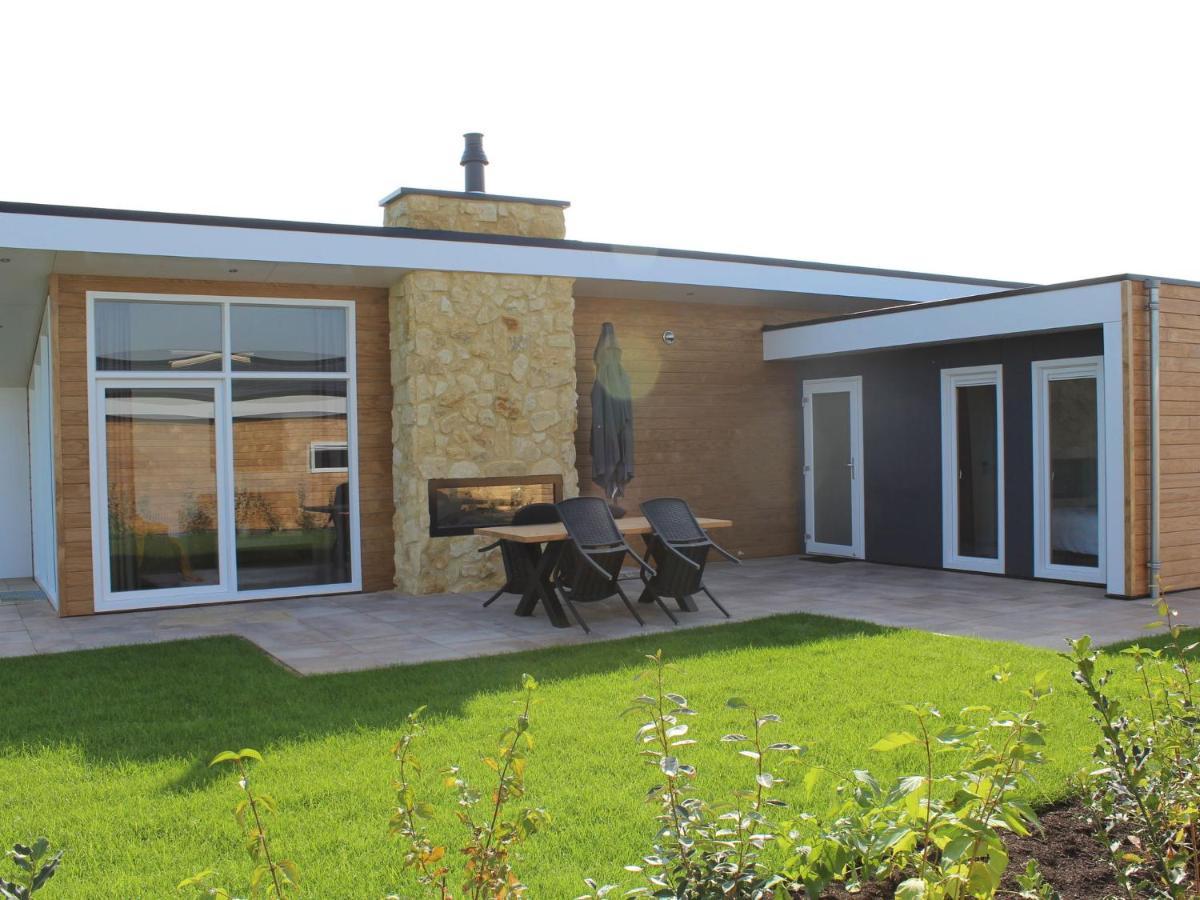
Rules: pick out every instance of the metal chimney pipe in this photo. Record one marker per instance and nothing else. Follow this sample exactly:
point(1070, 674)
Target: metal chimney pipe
point(473, 160)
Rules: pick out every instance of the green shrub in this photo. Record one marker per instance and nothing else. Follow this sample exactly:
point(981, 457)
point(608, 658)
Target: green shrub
point(940, 828)
point(270, 877)
point(491, 838)
point(36, 867)
point(703, 849)
point(1145, 789)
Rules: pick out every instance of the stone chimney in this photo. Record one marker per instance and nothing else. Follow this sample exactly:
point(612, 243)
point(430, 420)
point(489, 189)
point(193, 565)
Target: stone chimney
point(473, 210)
point(483, 377)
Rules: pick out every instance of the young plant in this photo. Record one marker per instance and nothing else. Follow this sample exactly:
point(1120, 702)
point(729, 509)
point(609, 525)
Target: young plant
point(1145, 789)
point(492, 837)
point(938, 831)
point(1032, 884)
point(702, 850)
point(421, 854)
point(36, 867)
point(270, 877)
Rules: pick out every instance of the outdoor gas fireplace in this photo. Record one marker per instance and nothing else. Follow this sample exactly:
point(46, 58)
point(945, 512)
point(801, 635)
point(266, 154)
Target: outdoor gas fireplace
point(460, 505)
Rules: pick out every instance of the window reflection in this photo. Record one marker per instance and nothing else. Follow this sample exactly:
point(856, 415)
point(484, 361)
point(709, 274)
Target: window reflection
point(1074, 473)
point(272, 338)
point(293, 523)
point(162, 487)
point(978, 472)
point(138, 336)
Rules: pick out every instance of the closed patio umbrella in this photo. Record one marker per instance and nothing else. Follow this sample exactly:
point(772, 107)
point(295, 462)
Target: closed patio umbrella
point(612, 418)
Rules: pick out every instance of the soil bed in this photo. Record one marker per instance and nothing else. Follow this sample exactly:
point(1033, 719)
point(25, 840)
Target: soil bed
point(1071, 857)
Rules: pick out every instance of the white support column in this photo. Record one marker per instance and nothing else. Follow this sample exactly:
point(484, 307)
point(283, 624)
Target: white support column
point(1114, 455)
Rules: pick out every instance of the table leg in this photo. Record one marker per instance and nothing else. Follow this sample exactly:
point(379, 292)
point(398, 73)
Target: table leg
point(648, 541)
point(686, 603)
point(542, 589)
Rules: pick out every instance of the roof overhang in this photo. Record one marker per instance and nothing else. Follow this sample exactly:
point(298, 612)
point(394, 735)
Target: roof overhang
point(41, 240)
point(966, 319)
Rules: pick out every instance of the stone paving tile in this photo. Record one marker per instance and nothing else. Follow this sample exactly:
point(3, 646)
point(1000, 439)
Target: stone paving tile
point(8, 651)
point(346, 632)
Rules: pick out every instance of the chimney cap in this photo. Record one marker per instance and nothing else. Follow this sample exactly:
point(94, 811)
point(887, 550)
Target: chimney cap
point(473, 149)
point(473, 160)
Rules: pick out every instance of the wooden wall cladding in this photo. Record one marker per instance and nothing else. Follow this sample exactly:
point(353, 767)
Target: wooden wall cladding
point(1179, 429)
point(72, 472)
point(714, 423)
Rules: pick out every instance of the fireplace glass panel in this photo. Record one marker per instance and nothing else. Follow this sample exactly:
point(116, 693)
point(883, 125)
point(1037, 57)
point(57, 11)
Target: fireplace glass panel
point(460, 506)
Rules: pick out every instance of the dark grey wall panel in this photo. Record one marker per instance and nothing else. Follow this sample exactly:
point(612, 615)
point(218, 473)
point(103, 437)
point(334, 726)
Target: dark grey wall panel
point(902, 439)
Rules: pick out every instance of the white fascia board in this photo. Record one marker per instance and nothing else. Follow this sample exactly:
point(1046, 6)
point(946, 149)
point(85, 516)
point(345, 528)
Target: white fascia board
point(1052, 310)
point(120, 236)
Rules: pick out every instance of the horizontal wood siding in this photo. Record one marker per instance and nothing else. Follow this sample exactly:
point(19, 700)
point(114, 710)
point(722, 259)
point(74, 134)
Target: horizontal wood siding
point(714, 423)
point(1179, 433)
point(72, 472)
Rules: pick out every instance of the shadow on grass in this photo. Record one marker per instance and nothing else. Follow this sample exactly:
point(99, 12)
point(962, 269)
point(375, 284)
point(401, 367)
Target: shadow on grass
point(179, 699)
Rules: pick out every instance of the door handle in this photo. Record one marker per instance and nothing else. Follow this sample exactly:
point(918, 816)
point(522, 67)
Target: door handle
point(850, 466)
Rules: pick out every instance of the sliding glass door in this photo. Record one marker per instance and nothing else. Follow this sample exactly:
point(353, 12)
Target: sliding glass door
point(973, 469)
point(1069, 507)
point(223, 449)
point(160, 469)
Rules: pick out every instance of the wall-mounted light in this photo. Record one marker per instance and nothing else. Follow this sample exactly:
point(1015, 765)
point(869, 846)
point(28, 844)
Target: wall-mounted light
point(668, 337)
point(4, 259)
point(233, 271)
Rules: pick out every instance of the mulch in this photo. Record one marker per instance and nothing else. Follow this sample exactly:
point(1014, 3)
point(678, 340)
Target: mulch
point(1068, 849)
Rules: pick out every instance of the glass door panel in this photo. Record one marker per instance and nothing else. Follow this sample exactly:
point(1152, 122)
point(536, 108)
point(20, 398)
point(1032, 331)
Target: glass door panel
point(291, 500)
point(833, 505)
point(978, 481)
point(162, 494)
point(1074, 472)
point(832, 520)
point(973, 468)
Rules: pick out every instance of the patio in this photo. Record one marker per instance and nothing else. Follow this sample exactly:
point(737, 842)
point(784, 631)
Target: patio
point(328, 634)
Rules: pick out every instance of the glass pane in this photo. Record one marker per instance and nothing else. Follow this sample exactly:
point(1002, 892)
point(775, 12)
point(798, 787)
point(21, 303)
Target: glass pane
point(293, 524)
point(288, 338)
point(152, 337)
point(831, 469)
point(978, 483)
point(1074, 473)
point(162, 487)
point(330, 457)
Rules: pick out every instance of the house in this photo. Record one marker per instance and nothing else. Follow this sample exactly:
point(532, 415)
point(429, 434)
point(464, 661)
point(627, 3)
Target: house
point(196, 409)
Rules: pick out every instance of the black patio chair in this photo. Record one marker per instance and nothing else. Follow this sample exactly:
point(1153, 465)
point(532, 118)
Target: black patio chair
point(589, 569)
point(679, 550)
point(521, 560)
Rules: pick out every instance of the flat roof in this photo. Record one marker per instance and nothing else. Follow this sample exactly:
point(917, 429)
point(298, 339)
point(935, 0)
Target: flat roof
point(131, 215)
point(975, 298)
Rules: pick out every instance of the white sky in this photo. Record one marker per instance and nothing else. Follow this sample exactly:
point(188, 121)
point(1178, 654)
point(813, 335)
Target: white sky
point(1027, 141)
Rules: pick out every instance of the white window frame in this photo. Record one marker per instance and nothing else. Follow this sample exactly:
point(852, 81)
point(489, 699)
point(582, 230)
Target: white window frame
point(1045, 371)
point(316, 447)
point(41, 457)
point(853, 386)
point(106, 600)
point(952, 380)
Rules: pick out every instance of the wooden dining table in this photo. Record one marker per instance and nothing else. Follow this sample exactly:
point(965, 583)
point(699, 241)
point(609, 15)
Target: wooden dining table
point(553, 536)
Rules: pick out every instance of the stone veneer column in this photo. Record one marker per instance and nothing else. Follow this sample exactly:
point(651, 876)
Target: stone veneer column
point(483, 378)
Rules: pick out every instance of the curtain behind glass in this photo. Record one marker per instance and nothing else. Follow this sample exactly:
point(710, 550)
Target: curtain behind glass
point(114, 336)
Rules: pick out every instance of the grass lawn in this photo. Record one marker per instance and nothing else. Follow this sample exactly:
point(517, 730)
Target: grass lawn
point(105, 751)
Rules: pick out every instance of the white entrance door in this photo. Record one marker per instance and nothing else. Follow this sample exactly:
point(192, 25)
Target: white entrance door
point(833, 470)
point(973, 469)
point(1068, 469)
